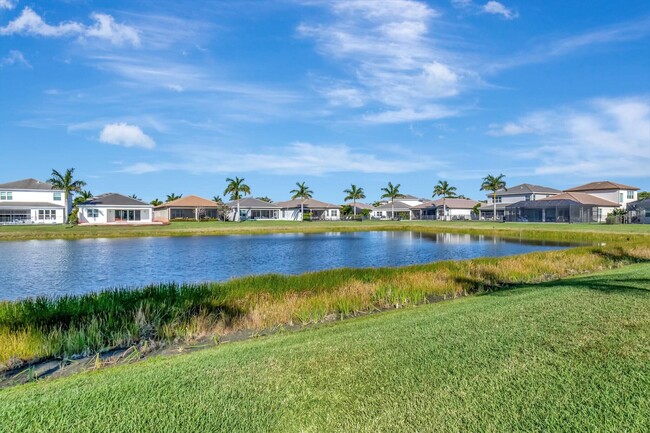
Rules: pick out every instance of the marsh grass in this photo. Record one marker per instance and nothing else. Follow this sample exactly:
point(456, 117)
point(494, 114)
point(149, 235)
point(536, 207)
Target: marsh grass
point(38, 328)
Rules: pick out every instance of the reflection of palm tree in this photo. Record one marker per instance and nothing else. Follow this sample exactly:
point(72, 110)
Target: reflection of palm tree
point(303, 193)
point(494, 183)
point(354, 194)
point(172, 197)
point(82, 197)
point(237, 189)
point(392, 192)
point(156, 202)
point(444, 190)
point(66, 183)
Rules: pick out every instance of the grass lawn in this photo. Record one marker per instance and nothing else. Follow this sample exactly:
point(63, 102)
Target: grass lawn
point(571, 355)
point(528, 230)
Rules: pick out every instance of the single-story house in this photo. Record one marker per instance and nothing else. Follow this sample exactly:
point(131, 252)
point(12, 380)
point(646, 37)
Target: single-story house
point(401, 208)
point(253, 209)
point(569, 207)
point(31, 201)
point(314, 209)
point(639, 211)
point(190, 207)
point(360, 207)
point(456, 208)
point(610, 191)
point(113, 208)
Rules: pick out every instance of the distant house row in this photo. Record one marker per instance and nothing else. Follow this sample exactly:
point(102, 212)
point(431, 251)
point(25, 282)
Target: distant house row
point(34, 201)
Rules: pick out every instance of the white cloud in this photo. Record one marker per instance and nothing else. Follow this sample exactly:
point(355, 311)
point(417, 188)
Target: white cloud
point(104, 28)
point(8, 4)
point(15, 57)
point(410, 114)
point(608, 136)
point(496, 8)
point(122, 134)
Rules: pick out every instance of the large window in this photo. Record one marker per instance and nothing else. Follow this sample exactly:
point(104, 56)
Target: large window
point(56, 196)
point(46, 214)
point(127, 215)
point(6, 195)
point(92, 213)
point(630, 195)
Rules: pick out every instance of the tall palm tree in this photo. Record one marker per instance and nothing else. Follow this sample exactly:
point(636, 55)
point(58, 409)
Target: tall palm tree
point(494, 183)
point(303, 193)
point(392, 192)
point(82, 197)
point(354, 193)
point(237, 189)
point(172, 197)
point(444, 190)
point(66, 183)
point(155, 202)
point(217, 199)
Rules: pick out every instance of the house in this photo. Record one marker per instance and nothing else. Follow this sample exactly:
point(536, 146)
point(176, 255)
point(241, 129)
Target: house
point(314, 210)
point(639, 211)
point(360, 208)
point(31, 201)
point(569, 207)
point(254, 209)
point(456, 209)
point(191, 207)
point(113, 208)
point(403, 207)
point(610, 191)
point(504, 197)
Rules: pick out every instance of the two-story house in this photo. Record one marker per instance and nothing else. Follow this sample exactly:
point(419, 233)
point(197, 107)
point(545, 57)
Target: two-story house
point(610, 191)
point(511, 195)
point(31, 201)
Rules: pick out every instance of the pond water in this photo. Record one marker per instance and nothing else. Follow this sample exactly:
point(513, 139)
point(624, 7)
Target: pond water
point(58, 267)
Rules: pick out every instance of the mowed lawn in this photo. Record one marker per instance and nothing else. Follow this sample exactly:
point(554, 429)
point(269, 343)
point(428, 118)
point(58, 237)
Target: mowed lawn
point(573, 355)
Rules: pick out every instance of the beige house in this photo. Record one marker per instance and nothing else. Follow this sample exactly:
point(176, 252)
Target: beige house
point(190, 207)
point(610, 191)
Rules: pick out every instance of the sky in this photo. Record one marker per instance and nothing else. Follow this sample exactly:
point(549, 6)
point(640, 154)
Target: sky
point(159, 97)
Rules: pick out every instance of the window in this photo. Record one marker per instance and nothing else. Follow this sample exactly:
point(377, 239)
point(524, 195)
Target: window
point(92, 213)
point(647, 213)
point(46, 214)
point(57, 196)
point(333, 213)
point(6, 195)
point(630, 195)
point(499, 198)
point(620, 197)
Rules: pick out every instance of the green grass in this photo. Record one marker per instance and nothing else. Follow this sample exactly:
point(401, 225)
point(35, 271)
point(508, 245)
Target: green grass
point(571, 355)
point(573, 232)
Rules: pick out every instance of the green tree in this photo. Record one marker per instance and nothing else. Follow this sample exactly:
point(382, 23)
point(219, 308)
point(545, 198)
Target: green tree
point(392, 192)
point(493, 184)
point(82, 197)
point(69, 186)
point(172, 197)
point(217, 199)
point(266, 199)
point(354, 193)
point(237, 189)
point(155, 202)
point(444, 190)
point(642, 195)
point(134, 197)
point(303, 193)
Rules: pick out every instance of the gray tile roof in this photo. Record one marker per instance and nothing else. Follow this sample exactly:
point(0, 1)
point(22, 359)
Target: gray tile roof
point(565, 199)
point(114, 199)
point(253, 203)
point(526, 188)
point(398, 205)
point(27, 184)
point(28, 205)
point(310, 203)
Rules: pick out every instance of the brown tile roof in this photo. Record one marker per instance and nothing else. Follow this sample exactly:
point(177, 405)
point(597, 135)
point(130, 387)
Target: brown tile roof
point(190, 201)
point(457, 203)
point(602, 186)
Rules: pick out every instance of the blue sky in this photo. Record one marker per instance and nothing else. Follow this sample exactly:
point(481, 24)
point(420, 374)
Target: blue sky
point(154, 97)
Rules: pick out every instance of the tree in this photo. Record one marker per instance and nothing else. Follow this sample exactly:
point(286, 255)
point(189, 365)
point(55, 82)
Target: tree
point(237, 189)
point(265, 198)
point(494, 183)
point(354, 193)
point(172, 197)
point(66, 183)
point(642, 195)
point(155, 202)
point(217, 199)
point(303, 193)
point(392, 192)
point(444, 190)
point(82, 197)
point(134, 197)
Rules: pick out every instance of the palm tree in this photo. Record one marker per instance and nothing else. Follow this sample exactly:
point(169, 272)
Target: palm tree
point(66, 183)
point(303, 193)
point(134, 197)
point(236, 188)
point(82, 197)
point(172, 197)
point(155, 202)
point(492, 183)
point(444, 190)
point(217, 199)
point(354, 193)
point(392, 192)
point(265, 198)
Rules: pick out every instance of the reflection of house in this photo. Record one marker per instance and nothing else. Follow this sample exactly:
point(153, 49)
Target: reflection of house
point(523, 192)
point(317, 210)
point(610, 191)
point(191, 207)
point(639, 211)
point(31, 201)
point(570, 207)
point(112, 208)
point(401, 208)
point(254, 209)
point(456, 208)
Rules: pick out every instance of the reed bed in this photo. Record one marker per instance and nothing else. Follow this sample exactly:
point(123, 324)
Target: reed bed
point(39, 328)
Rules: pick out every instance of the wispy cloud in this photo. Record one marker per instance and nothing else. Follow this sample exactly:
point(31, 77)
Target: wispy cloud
point(8, 4)
point(14, 57)
point(104, 28)
point(123, 134)
point(496, 8)
point(607, 135)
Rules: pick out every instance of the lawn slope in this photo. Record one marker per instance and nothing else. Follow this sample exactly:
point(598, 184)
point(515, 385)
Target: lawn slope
point(571, 355)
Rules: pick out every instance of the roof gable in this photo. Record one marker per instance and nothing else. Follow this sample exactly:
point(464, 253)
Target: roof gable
point(113, 199)
point(28, 184)
point(189, 201)
point(526, 188)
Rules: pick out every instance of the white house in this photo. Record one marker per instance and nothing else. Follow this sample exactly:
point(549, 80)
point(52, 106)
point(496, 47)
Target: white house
point(316, 210)
point(514, 194)
point(610, 191)
point(31, 201)
point(112, 208)
point(254, 209)
point(455, 208)
point(404, 205)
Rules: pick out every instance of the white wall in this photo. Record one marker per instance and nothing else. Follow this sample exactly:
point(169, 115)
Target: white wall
point(106, 214)
point(615, 196)
point(51, 215)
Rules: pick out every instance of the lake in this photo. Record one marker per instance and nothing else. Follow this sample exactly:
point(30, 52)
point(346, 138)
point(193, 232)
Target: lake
point(58, 267)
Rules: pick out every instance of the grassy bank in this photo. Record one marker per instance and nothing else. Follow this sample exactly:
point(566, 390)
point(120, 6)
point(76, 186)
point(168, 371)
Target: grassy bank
point(572, 232)
point(40, 328)
point(572, 355)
